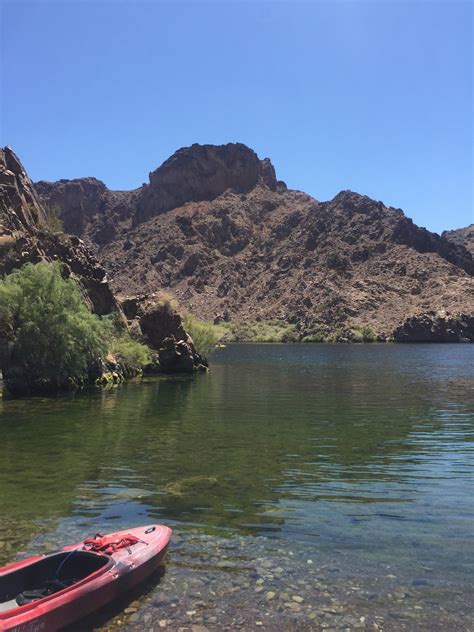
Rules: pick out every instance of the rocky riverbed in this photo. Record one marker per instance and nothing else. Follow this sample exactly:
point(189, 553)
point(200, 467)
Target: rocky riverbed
point(256, 583)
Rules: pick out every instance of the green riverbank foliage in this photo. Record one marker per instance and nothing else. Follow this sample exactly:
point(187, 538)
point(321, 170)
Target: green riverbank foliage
point(56, 337)
point(364, 334)
point(204, 334)
point(264, 331)
point(133, 355)
point(281, 331)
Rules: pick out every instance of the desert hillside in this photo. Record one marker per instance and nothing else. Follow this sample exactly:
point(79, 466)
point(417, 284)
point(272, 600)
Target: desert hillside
point(216, 228)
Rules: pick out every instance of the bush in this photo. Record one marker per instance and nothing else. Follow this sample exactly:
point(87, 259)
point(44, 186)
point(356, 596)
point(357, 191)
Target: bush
point(317, 336)
point(131, 354)
point(364, 334)
point(335, 335)
point(204, 334)
point(263, 331)
point(56, 337)
point(368, 334)
point(167, 300)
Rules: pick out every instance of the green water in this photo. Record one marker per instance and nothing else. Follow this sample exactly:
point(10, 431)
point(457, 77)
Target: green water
point(365, 450)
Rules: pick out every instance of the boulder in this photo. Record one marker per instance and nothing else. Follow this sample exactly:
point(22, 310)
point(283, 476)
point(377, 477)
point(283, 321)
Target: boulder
point(436, 327)
point(163, 330)
point(176, 356)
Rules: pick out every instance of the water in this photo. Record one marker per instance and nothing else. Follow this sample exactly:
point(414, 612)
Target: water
point(339, 474)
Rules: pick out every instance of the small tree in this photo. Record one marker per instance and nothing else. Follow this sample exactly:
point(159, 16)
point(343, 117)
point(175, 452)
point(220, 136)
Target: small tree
point(56, 337)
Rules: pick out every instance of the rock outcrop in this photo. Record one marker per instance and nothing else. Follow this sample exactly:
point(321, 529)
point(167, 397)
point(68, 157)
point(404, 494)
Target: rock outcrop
point(20, 208)
point(217, 229)
point(162, 328)
point(436, 327)
point(202, 172)
point(461, 237)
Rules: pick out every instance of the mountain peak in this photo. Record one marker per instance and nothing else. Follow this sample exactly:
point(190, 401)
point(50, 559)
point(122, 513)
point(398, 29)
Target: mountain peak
point(203, 172)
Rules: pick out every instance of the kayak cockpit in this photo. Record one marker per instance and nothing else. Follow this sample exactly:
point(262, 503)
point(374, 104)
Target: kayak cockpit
point(47, 576)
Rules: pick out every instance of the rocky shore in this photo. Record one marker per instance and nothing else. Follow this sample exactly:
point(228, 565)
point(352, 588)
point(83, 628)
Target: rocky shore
point(211, 583)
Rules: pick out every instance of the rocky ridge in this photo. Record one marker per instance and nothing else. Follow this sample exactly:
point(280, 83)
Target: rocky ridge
point(462, 237)
point(232, 243)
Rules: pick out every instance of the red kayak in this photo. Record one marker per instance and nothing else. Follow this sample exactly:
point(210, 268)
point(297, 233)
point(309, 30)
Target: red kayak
point(46, 592)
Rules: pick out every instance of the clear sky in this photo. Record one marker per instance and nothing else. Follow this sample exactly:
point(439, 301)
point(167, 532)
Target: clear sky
point(370, 96)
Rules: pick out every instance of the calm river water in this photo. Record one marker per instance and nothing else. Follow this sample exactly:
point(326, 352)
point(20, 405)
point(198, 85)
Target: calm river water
point(308, 486)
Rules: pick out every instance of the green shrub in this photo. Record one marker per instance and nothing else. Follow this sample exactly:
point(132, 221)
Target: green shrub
point(316, 336)
point(56, 337)
point(167, 300)
point(368, 334)
point(204, 334)
point(262, 331)
point(131, 354)
point(364, 334)
point(335, 335)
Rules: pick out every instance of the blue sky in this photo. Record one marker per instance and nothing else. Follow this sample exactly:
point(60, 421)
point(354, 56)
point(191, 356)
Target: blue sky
point(370, 96)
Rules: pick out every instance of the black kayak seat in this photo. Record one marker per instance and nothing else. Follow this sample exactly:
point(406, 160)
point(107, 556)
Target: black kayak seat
point(47, 576)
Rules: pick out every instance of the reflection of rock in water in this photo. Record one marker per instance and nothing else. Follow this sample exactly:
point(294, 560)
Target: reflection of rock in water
point(187, 486)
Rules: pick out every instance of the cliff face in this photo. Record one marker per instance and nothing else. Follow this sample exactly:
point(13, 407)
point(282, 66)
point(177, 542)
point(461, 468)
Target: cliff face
point(231, 242)
point(20, 208)
point(461, 237)
point(87, 208)
point(25, 237)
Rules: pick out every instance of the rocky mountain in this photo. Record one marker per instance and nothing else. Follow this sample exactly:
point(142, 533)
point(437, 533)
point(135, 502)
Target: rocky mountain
point(216, 228)
point(462, 237)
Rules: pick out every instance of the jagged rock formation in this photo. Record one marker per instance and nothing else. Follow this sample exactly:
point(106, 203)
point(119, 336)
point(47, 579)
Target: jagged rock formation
point(20, 208)
point(461, 237)
point(231, 242)
point(25, 237)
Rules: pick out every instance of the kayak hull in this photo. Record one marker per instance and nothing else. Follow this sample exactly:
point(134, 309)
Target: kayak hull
point(119, 572)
